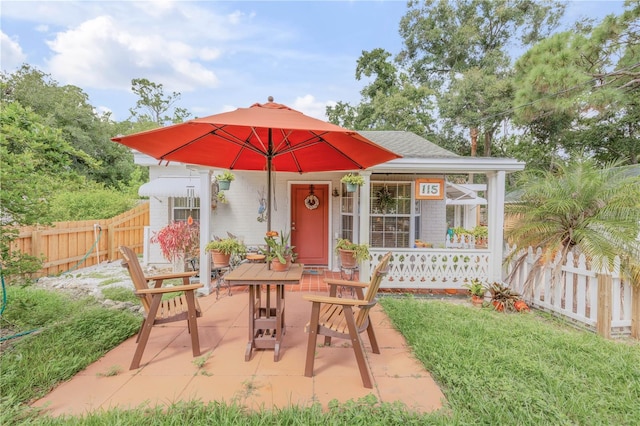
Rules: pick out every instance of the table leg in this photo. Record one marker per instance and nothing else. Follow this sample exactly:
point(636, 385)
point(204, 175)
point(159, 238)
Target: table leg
point(283, 310)
point(276, 352)
point(252, 317)
point(268, 313)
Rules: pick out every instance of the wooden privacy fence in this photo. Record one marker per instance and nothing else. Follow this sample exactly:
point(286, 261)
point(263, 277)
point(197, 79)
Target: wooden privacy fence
point(70, 245)
point(601, 302)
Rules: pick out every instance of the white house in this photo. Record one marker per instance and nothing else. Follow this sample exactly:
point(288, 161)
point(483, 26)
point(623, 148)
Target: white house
point(428, 191)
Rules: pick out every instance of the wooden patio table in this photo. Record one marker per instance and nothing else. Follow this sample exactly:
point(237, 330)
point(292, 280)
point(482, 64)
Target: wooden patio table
point(266, 323)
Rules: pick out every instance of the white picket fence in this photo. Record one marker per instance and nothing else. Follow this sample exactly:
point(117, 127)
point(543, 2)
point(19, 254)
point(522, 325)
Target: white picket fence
point(576, 295)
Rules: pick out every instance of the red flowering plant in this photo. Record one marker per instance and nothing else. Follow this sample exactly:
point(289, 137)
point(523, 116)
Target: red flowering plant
point(178, 240)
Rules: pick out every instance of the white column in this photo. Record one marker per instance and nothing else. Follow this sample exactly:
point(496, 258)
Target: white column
point(205, 230)
point(365, 220)
point(495, 200)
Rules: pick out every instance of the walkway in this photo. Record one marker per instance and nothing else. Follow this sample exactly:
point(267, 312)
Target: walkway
point(169, 373)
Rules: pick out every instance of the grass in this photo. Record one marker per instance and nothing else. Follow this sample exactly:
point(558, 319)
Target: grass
point(520, 368)
point(120, 294)
point(494, 368)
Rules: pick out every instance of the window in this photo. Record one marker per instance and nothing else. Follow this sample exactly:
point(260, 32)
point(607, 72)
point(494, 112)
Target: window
point(392, 209)
point(183, 207)
point(347, 202)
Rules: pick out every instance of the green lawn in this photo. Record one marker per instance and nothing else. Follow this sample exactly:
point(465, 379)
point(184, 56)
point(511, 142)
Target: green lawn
point(495, 369)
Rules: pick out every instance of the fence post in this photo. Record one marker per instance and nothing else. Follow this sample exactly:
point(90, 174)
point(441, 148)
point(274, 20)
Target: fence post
point(635, 311)
point(603, 325)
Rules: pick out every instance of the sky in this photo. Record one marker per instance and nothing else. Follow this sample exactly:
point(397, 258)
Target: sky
point(219, 55)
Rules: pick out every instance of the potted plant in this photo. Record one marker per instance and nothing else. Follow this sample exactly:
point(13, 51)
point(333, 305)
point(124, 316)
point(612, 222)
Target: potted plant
point(506, 300)
point(351, 253)
point(278, 252)
point(477, 291)
point(178, 241)
point(353, 181)
point(223, 248)
point(480, 233)
point(224, 180)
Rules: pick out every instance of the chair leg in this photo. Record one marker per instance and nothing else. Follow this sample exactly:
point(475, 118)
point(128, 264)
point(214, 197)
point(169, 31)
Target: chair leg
point(192, 323)
point(358, 347)
point(372, 337)
point(140, 330)
point(311, 343)
point(143, 336)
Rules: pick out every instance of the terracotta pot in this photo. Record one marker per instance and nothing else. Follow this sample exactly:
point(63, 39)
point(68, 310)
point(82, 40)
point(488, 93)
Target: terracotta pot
point(477, 300)
point(348, 259)
point(521, 306)
point(220, 259)
point(499, 306)
point(451, 291)
point(278, 266)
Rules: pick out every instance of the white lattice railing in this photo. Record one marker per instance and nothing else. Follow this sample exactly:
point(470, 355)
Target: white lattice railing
point(432, 268)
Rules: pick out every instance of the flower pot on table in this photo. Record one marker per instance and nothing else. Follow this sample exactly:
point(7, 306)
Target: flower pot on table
point(278, 266)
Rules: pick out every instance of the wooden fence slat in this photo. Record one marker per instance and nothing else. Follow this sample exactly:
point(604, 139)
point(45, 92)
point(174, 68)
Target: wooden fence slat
point(604, 305)
point(64, 244)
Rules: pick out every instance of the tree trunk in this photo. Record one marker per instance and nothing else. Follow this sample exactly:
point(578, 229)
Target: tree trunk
point(487, 144)
point(474, 141)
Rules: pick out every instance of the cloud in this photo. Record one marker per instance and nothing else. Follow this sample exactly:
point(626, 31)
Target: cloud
point(308, 104)
point(11, 54)
point(100, 53)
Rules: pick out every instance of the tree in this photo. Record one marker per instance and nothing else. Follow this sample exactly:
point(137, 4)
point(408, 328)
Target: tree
point(67, 108)
point(581, 207)
point(34, 162)
point(578, 90)
point(153, 104)
point(460, 49)
point(389, 102)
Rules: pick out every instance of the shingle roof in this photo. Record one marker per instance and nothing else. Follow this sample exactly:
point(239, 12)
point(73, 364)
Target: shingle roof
point(407, 144)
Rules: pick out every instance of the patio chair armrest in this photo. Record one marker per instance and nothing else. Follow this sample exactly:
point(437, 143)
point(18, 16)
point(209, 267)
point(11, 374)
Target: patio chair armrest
point(173, 289)
point(335, 300)
point(345, 283)
point(170, 276)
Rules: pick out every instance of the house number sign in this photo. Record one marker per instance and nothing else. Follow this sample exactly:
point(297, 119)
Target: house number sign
point(429, 189)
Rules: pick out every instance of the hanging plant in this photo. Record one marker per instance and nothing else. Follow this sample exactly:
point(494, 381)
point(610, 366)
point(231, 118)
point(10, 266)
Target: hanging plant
point(224, 180)
point(386, 200)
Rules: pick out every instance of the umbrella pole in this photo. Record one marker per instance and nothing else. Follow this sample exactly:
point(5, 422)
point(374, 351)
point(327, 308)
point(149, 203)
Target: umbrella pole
point(269, 156)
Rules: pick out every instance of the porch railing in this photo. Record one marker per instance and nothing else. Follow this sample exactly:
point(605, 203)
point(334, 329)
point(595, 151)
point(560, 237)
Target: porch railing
point(426, 268)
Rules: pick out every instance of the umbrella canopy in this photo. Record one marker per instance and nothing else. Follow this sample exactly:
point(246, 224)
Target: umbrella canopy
point(262, 137)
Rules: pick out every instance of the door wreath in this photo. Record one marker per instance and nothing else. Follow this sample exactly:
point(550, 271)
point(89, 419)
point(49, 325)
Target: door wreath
point(311, 202)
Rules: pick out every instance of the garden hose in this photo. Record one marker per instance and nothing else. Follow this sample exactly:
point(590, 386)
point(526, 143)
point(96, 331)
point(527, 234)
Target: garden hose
point(4, 289)
point(95, 243)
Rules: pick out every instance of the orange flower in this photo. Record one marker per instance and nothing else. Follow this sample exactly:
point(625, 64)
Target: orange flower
point(272, 234)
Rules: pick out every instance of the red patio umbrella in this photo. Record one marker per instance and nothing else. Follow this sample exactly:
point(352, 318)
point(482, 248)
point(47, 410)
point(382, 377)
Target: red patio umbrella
point(262, 137)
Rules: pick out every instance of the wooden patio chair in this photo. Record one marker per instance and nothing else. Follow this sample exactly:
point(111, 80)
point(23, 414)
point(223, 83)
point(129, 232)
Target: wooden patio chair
point(158, 311)
point(334, 317)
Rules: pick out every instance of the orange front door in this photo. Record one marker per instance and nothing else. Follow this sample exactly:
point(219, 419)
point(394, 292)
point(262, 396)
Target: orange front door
point(310, 223)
